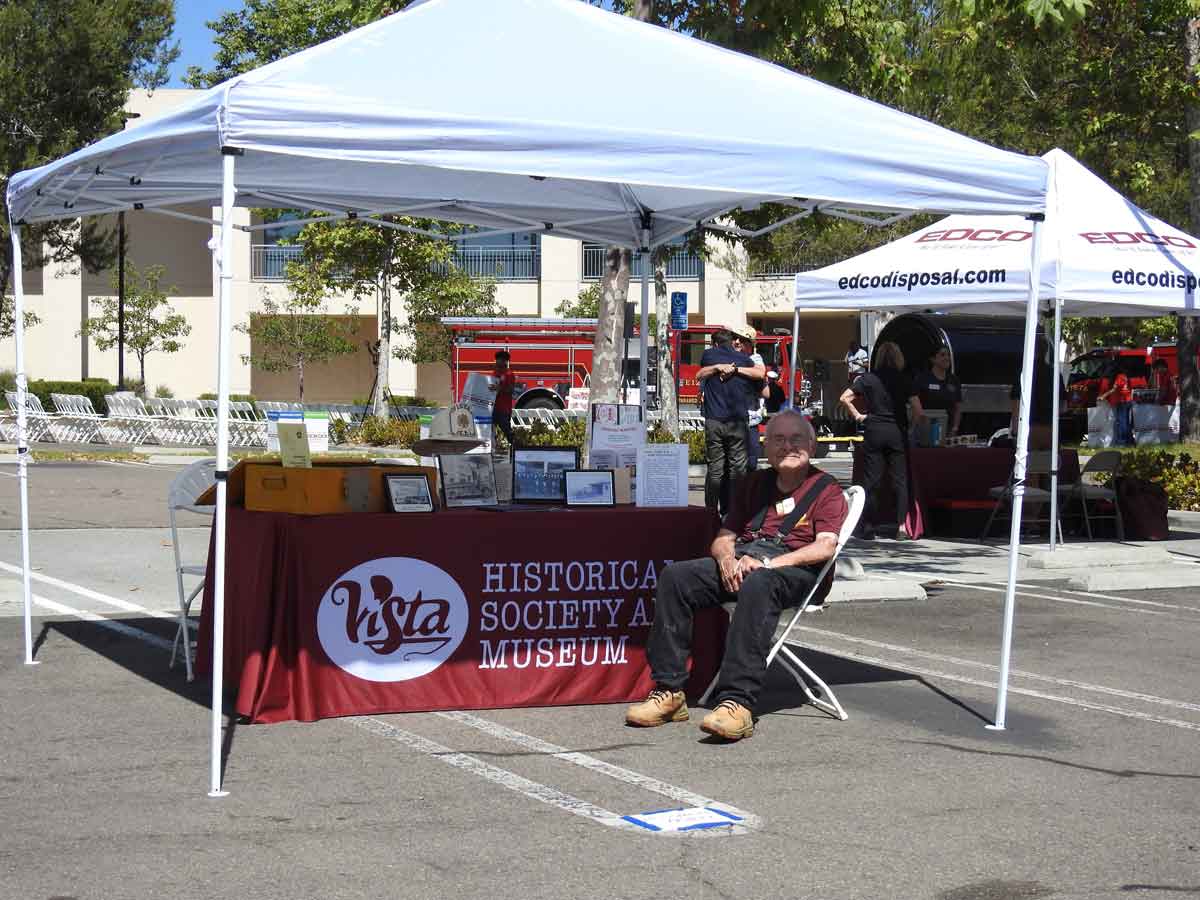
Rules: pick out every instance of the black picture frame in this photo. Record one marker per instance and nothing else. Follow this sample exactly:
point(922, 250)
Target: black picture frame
point(590, 487)
point(468, 479)
point(547, 485)
point(408, 493)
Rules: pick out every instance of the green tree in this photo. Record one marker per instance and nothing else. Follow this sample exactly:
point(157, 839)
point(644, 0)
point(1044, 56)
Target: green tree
point(424, 338)
point(299, 332)
point(150, 325)
point(585, 305)
point(65, 73)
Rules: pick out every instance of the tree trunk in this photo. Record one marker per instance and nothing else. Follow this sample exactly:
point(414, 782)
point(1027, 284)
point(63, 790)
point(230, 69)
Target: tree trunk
point(610, 330)
point(300, 377)
point(141, 374)
point(379, 404)
point(1188, 341)
point(668, 403)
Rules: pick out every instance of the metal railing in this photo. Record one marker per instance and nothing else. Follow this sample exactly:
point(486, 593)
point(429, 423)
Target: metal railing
point(682, 266)
point(268, 262)
point(500, 263)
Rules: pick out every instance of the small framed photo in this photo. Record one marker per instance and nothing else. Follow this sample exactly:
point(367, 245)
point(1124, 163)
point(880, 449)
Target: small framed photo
point(408, 493)
point(586, 487)
point(537, 475)
point(467, 479)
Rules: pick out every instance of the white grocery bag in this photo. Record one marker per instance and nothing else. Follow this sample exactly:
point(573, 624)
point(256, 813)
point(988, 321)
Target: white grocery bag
point(1100, 418)
point(478, 395)
point(1173, 422)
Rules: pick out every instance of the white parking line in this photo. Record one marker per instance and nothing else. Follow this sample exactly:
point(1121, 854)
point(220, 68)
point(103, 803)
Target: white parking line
point(1041, 695)
point(1132, 600)
point(646, 782)
point(124, 605)
point(1070, 600)
point(959, 661)
point(119, 627)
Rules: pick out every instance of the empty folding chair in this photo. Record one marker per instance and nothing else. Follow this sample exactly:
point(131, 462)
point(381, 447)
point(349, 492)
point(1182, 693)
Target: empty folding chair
point(1037, 464)
point(38, 424)
point(822, 697)
point(186, 487)
point(1108, 462)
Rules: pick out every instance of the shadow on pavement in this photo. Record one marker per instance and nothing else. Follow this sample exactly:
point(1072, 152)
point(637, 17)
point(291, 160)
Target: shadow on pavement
point(116, 640)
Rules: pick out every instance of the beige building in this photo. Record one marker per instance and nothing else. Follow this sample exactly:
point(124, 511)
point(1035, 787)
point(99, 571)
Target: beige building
point(536, 274)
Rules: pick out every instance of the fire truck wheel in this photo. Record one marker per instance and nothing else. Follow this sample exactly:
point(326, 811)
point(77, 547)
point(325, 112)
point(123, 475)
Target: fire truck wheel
point(541, 403)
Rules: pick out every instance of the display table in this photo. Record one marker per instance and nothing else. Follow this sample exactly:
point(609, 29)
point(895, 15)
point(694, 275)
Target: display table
point(954, 478)
point(461, 609)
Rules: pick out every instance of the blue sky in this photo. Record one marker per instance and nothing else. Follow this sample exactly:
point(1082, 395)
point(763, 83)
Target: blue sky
point(195, 40)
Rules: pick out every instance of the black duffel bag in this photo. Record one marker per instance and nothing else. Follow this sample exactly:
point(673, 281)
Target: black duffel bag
point(1143, 509)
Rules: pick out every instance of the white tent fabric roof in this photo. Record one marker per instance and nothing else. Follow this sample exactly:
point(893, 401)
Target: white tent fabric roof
point(522, 113)
point(1101, 255)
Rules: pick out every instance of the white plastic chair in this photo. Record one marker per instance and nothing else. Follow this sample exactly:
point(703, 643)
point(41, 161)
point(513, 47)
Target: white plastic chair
point(181, 497)
point(823, 698)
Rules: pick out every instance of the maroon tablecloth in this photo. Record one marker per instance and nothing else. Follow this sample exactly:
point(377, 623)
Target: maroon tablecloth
point(461, 609)
point(943, 475)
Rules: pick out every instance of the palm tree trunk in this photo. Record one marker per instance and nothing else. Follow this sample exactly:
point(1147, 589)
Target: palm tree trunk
point(1188, 340)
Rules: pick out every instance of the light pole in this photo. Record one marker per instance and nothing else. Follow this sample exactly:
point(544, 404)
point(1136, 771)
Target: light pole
point(121, 281)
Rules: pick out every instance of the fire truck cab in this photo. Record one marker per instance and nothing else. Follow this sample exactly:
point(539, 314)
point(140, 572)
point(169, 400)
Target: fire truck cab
point(548, 357)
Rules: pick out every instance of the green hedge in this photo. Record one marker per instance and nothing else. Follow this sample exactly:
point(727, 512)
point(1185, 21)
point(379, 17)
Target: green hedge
point(1178, 473)
point(376, 432)
point(93, 389)
point(248, 398)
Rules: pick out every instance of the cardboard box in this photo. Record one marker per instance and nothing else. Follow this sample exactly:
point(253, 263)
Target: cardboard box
point(330, 486)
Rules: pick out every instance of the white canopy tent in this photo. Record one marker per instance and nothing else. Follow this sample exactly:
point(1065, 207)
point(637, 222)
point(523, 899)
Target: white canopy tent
point(1101, 255)
point(391, 118)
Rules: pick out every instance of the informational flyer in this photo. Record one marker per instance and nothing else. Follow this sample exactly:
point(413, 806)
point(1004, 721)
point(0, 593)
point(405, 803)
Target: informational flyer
point(617, 433)
point(294, 451)
point(662, 475)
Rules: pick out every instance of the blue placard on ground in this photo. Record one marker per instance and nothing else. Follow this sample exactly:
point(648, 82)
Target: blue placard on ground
point(679, 310)
point(691, 818)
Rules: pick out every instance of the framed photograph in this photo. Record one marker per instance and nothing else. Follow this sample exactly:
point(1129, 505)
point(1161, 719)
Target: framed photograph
point(587, 487)
point(467, 479)
point(408, 493)
point(538, 473)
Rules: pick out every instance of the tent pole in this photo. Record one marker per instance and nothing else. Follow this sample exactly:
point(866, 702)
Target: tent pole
point(791, 399)
point(1019, 467)
point(1056, 451)
point(224, 297)
point(644, 331)
point(22, 436)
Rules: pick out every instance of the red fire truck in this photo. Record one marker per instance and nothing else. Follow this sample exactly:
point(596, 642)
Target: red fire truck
point(551, 356)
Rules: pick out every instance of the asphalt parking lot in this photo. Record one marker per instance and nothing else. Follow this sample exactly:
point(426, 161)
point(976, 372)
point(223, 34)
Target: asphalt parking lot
point(1092, 791)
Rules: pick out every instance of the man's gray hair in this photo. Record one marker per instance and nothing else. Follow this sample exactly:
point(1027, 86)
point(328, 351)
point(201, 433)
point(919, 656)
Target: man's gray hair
point(805, 426)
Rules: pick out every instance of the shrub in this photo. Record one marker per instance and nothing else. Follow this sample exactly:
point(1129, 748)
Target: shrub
point(697, 455)
point(386, 432)
point(93, 389)
point(8, 381)
point(1178, 473)
point(565, 434)
point(163, 391)
point(138, 387)
point(209, 395)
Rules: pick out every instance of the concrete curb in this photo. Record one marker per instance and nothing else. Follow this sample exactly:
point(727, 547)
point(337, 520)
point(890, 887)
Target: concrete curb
point(1068, 557)
point(1135, 578)
point(867, 590)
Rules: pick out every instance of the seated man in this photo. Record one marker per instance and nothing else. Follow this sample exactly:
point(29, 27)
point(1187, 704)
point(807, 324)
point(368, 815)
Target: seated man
point(792, 513)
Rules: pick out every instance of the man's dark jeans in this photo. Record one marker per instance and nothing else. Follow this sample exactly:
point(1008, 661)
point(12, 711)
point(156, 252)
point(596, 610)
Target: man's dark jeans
point(685, 587)
point(725, 443)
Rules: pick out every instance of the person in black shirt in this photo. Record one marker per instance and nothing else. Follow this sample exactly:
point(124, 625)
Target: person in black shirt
point(776, 397)
point(725, 377)
point(938, 389)
point(885, 393)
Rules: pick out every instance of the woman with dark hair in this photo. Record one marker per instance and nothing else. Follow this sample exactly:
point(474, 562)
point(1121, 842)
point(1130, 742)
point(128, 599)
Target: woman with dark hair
point(879, 402)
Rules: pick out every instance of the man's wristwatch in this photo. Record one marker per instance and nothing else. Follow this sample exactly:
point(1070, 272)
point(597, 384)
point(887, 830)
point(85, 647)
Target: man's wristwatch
point(765, 560)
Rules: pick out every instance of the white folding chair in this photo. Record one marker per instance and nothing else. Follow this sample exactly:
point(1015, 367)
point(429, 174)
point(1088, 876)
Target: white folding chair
point(823, 698)
point(181, 497)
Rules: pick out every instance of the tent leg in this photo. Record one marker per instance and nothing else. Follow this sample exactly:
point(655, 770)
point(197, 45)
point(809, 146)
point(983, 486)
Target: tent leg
point(791, 399)
point(644, 332)
point(22, 438)
point(224, 297)
point(1019, 467)
point(1056, 451)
